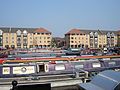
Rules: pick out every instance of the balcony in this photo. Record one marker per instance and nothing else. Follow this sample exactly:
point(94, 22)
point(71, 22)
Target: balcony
point(96, 36)
point(1, 35)
point(18, 44)
point(91, 36)
point(24, 35)
point(1, 44)
point(24, 44)
point(18, 35)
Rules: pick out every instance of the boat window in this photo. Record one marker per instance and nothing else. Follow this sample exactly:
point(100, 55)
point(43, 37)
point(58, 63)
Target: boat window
point(111, 63)
point(61, 61)
point(96, 65)
point(60, 67)
point(79, 66)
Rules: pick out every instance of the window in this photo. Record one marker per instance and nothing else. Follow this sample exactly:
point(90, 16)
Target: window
point(48, 34)
point(31, 46)
point(112, 34)
point(71, 46)
point(18, 39)
point(12, 37)
point(18, 32)
point(79, 66)
point(24, 40)
point(30, 41)
point(71, 41)
point(95, 65)
point(6, 41)
point(48, 37)
point(96, 34)
point(1, 32)
point(71, 37)
point(38, 33)
point(12, 34)
point(24, 32)
point(48, 41)
point(0, 40)
point(91, 33)
point(96, 39)
point(60, 67)
point(112, 63)
point(108, 34)
point(73, 34)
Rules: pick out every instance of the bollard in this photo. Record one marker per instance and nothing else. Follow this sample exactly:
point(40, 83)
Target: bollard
point(14, 84)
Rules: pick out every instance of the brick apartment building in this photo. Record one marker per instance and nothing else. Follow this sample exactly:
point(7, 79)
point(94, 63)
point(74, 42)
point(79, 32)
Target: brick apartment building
point(25, 37)
point(77, 38)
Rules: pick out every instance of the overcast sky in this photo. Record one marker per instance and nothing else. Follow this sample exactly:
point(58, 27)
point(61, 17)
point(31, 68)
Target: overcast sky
point(60, 16)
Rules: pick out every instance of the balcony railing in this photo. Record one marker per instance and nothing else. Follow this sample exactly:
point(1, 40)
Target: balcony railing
point(24, 44)
point(18, 44)
point(18, 35)
point(1, 35)
point(24, 35)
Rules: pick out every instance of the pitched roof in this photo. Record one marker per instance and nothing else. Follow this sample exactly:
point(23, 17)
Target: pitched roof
point(29, 30)
point(75, 31)
point(84, 31)
point(41, 30)
point(5, 29)
point(118, 32)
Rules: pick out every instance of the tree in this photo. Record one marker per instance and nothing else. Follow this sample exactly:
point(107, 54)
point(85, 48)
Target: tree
point(53, 43)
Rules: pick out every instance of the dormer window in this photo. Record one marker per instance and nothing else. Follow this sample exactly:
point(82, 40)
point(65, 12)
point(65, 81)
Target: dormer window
point(91, 33)
point(96, 34)
point(24, 32)
point(108, 34)
point(112, 34)
point(18, 32)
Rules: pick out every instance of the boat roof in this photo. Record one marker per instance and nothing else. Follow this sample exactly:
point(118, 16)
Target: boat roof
point(106, 80)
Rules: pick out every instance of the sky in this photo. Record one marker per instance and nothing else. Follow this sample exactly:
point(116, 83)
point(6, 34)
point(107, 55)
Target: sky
point(60, 16)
